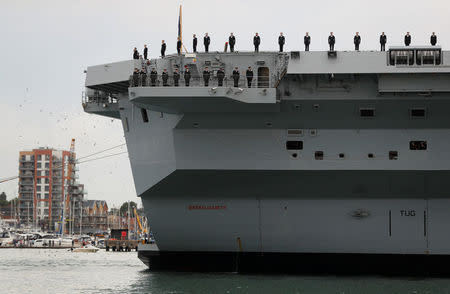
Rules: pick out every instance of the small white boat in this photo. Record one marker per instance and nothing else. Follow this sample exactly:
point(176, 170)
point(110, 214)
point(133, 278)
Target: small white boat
point(87, 248)
point(6, 239)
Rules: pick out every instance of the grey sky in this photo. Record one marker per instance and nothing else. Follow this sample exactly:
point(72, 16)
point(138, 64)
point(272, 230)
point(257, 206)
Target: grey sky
point(46, 45)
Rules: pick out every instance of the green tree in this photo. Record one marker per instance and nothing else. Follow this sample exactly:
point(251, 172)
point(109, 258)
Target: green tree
point(3, 201)
point(124, 208)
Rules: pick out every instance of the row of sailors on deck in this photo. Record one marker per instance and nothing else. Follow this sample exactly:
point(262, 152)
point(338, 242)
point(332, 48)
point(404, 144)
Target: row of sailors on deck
point(281, 42)
point(140, 76)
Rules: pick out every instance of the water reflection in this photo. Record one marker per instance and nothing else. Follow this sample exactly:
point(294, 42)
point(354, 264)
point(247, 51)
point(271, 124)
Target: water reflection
point(61, 271)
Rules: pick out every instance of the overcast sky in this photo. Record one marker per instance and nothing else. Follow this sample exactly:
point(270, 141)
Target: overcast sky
point(46, 45)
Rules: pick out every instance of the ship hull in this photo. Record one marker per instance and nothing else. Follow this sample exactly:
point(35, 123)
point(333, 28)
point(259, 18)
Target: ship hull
point(341, 163)
point(298, 263)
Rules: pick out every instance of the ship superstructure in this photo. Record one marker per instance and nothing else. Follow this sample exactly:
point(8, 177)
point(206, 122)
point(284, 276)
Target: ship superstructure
point(329, 155)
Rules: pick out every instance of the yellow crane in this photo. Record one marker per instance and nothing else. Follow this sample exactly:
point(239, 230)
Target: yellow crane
point(141, 229)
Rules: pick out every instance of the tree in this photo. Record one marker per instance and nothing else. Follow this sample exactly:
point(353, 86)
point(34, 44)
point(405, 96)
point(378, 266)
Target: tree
point(3, 201)
point(124, 208)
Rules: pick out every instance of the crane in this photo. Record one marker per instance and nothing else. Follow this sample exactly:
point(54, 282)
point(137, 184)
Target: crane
point(141, 229)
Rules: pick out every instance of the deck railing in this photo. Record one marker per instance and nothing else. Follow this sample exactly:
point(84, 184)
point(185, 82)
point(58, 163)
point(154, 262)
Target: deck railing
point(146, 81)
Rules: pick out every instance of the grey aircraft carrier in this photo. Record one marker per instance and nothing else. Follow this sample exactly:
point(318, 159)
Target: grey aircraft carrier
point(330, 161)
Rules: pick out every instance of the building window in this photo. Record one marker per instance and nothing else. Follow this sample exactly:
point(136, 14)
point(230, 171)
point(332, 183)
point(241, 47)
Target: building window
point(38, 188)
point(393, 155)
point(39, 157)
point(38, 165)
point(47, 157)
point(46, 196)
point(47, 173)
point(47, 165)
point(417, 112)
point(46, 188)
point(367, 112)
point(47, 181)
point(294, 145)
point(144, 115)
point(38, 180)
point(318, 155)
point(23, 157)
point(418, 145)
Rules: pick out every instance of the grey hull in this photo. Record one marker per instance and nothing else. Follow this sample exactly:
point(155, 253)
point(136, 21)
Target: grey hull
point(318, 160)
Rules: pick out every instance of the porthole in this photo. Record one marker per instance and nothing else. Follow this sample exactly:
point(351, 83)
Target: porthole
point(393, 155)
point(294, 145)
point(367, 112)
point(418, 145)
point(318, 155)
point(417, 113)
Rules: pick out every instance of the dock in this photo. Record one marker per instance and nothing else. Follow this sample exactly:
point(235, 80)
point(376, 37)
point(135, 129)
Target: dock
point(121, 245)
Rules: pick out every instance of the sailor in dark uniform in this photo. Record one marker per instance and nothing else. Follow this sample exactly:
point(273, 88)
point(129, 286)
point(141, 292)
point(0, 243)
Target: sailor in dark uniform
point(256, 42)
point(383, 41)
point(153, 77)
point(281, 41)
point(165, 78)
point(232, 42)
point(143, 77)
point(433, 39)
point(187, 76)
point(135, 53)
point(179, 46)
point(176, 77)
point(194, 43)
point(206, 42)
point(357, 41)
point(236, 77)
point(220, 77)
point(331, 41)
point(407, 39)
point(307, 41)
point(206, 76)
point(163, 49)
point(136, 78)
point(249, 76)
point(145, 52)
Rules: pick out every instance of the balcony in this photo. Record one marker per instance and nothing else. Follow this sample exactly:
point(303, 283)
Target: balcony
point(27, 175)
point(26, 167)
point(23, 160)
point(25, 190)
point(26, 183)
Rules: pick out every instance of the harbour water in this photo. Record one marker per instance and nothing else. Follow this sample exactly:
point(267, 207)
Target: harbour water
point(61, 271)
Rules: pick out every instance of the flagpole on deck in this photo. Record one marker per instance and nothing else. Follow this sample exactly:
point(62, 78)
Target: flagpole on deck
point(180, 27)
